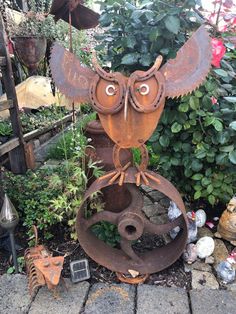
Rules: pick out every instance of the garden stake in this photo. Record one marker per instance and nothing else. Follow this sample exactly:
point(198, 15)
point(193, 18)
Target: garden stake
point(129, 109)
point(9, 219)
point(42, 268)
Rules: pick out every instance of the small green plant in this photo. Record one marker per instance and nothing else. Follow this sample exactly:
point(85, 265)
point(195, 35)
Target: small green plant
point(73, 141)
point(49, 197)
point(21, 265)
point(5, 128)
point(107, 232)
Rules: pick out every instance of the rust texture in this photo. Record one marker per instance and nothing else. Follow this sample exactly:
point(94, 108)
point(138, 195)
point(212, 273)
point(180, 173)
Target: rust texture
point(42, 268)
point(81, 16)
point(129, 109)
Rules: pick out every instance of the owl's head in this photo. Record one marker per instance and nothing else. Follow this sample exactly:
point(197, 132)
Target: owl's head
point(130, 107)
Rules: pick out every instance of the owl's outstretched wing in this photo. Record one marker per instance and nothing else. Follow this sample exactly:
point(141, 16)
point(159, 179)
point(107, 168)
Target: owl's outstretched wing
point(70, 77)
point(191, 65)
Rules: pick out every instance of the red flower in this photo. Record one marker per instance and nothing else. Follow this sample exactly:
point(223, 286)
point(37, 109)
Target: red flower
point(213, 100)
point(218, 51)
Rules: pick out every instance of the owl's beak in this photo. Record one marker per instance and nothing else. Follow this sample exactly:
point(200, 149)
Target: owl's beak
point(126, 103)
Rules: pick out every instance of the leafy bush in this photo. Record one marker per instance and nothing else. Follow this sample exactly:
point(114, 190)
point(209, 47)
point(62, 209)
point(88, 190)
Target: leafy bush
point(135, 35)
point(49, 195)
point(195, 141)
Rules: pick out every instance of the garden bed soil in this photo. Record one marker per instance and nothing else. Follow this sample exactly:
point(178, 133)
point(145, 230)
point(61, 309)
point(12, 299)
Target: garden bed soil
point(173, 276)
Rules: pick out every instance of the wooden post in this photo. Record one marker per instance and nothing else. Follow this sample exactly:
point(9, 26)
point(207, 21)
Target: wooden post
point(17, 155)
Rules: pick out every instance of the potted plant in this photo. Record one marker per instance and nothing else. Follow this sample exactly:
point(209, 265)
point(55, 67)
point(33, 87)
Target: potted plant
point(30, 35)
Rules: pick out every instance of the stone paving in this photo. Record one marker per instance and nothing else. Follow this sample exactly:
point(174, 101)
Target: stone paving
point(111, 298)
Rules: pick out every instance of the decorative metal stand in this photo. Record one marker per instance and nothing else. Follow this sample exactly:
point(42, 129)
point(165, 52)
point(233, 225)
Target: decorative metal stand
point(129, 109)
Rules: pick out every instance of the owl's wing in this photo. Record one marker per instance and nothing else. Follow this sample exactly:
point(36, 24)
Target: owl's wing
point(70, 77)
point(191, 65)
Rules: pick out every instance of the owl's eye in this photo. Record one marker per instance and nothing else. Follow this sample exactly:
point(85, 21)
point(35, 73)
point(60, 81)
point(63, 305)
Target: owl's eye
point(111, 90)
point(143, 89)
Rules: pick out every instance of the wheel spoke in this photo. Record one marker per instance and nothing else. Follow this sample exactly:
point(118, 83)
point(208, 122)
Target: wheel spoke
point(164, 228)
point(128, 250)
point(102, 216)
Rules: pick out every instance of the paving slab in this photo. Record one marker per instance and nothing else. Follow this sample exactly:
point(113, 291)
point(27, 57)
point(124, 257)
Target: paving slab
point(68, 301)
point(153, 300)
point(213, 301)
point(14, 295)
point(107, 299)
point(203, 280)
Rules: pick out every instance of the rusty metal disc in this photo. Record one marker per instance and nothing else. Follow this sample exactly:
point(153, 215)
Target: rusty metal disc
point(132, 223)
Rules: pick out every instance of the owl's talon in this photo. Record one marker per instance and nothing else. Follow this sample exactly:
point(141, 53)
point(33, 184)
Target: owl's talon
point(122, 177)
point(113, 179)
point(150, 176)
point(120, 172)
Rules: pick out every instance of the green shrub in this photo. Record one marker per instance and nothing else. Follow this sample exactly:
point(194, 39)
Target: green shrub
point(136, 32)
point(194, 144)
point(50, 196)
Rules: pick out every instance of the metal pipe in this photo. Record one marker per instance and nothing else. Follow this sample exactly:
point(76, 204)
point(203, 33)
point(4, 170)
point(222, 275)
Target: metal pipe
point(13, 250)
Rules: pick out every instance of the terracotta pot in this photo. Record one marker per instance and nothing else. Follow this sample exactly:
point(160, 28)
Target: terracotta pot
point(116, 197)
point(30, 51)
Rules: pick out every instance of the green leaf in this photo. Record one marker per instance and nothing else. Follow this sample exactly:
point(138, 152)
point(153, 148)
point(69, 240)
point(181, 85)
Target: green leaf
point(232, 157)
point(131, 41)
point(172, 23)
point(183, 107)
point(210, 188)
point(205, 181)
point(209, 120)
point(197, 194)
point(197, 136)
point(196, 165)
point(130, 58)
point(221, 159)
point(206, 101)
point(233, 125)
point(198, 94)
point(197, 176)
point(227, 149)
point(154, 33)
point(230, 99)
point(10, 270)
point(211, 199)
point(105, 20)
point(154, 137)
point(221, 72)
point(194, 102)
point(218, 125)
point(146, 59)
point(176, 127)
point(164, 140)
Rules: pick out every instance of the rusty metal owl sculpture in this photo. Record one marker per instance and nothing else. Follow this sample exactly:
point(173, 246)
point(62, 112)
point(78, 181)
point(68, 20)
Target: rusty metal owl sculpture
point(129, 109)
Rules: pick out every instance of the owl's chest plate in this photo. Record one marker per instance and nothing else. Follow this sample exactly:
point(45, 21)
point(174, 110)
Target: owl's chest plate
point(129, 108)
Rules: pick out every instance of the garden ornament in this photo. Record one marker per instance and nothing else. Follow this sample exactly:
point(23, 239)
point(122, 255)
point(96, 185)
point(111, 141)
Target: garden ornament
point(75, 12)
point(227, 224)
point(129, 109)
point(42, 268)
point(9, 219)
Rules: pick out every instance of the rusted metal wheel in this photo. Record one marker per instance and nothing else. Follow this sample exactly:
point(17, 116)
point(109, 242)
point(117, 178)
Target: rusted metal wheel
point(132, 223)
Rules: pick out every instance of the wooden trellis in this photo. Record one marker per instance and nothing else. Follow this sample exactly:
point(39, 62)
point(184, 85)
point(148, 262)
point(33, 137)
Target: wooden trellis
point(14, 147)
